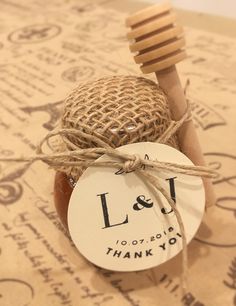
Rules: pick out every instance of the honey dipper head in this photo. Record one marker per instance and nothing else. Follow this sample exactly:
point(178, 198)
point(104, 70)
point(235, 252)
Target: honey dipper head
point(156, 38)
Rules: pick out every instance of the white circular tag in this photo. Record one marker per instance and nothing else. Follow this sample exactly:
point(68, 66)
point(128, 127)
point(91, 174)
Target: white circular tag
point(119, 222)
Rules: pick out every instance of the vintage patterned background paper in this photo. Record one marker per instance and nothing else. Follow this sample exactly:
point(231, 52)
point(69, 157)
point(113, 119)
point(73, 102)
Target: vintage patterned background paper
point(46, 48)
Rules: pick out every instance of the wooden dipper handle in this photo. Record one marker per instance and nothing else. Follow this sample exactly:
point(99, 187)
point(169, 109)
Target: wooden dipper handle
point(158, 42)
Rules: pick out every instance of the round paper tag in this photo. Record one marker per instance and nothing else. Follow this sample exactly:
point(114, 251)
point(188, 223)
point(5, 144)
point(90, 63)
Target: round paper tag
point(119, 222)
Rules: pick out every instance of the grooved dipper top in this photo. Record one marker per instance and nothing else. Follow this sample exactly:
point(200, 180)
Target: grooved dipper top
point(156, 38)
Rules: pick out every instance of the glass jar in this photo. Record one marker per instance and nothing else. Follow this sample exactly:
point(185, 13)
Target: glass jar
point(118, 110)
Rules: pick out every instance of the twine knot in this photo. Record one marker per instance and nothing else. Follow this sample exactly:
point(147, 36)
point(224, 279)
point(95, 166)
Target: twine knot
point(132, 164)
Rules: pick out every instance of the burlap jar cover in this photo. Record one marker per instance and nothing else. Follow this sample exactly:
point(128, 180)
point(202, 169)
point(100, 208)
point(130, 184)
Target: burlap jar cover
point(118, 110)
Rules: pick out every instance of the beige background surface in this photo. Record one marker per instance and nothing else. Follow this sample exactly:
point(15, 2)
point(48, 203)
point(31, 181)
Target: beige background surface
point(45, 51)
point(226, 8)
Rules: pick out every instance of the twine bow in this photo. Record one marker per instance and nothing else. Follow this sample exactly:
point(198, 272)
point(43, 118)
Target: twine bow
point(127, 162)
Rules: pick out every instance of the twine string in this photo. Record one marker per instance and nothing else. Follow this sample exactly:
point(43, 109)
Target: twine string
point(76, 157)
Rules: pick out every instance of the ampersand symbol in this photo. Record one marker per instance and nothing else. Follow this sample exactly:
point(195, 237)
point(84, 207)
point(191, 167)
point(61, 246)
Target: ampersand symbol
point(142, 202)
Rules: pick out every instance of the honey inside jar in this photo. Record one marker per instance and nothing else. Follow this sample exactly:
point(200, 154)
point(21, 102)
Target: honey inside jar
point(62, 193)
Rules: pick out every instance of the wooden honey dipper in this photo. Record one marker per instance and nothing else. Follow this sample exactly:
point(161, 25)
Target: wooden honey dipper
point(158, 41)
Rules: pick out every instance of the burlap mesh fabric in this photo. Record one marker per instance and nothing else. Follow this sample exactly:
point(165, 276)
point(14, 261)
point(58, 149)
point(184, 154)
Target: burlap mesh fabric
point(117, 110)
